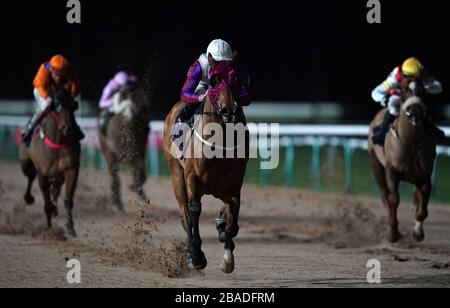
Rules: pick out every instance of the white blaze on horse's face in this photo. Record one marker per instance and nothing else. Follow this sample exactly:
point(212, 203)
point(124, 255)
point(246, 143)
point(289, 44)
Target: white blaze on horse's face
point(414, 109)
point(414, 87)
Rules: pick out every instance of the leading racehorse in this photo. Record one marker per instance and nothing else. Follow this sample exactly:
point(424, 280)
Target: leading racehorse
point(54, 156)
point(196, 175)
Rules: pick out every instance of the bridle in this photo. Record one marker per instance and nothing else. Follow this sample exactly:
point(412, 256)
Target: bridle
point(55, 110)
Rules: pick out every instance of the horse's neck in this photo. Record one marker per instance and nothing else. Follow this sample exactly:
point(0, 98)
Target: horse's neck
point(49, 128)
point(51, 131)
point(409, 134)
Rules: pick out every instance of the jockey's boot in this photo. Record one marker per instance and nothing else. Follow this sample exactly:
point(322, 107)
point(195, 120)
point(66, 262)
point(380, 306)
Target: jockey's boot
point(30, 127)
point(104, 122)
point(379, 132)
point(181, 123)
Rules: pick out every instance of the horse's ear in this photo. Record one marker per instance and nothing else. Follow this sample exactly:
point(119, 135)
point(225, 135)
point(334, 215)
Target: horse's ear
point(235, 60)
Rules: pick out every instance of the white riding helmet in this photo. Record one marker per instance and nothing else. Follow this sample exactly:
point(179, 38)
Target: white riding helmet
point(220, 50)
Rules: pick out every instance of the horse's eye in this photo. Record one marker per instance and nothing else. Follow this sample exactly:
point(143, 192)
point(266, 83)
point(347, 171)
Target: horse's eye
point(214, 81)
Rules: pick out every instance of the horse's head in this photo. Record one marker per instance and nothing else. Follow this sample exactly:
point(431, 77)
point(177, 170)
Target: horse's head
point(130, 102)
point(62, 112)
point(411, 86)
point(223, 86)
point(414, 110)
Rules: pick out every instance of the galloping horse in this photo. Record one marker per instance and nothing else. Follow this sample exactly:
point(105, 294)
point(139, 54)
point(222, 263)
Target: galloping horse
point(124, 142)
point(54, 156)
point(196, 176)
point(408, 155)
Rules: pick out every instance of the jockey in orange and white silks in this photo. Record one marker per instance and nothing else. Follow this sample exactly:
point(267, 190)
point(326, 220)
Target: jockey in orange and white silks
point(388, 94)
point(52, 76)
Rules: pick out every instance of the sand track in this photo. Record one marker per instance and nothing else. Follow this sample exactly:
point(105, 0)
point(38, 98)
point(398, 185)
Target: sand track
point(288, 238)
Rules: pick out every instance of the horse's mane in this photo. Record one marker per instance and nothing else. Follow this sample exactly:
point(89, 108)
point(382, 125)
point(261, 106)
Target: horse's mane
point(63, 99)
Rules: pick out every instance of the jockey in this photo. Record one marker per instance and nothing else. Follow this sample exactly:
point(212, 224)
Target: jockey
point(111, 97)
point(388, 95)
point(51, 77)
point(195, 88)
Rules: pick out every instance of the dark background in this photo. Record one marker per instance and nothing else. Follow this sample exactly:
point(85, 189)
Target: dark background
point(296, 50)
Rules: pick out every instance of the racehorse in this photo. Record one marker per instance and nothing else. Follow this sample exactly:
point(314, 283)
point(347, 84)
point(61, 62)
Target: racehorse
point(408, 155)
point(124, 141)
point(54, 157)
point(194, 176)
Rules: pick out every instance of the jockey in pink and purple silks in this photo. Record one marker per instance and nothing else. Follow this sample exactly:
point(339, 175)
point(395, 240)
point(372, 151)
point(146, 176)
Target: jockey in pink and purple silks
point(120, 81)
point(195, 89)
point(112, 99)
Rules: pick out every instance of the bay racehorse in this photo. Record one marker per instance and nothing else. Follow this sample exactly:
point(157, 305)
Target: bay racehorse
point(124, 141)
point(194, 176)
point(54, 157)
point(408, 155)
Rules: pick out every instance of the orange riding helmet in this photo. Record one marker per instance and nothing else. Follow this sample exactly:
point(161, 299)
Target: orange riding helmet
point(59, 64)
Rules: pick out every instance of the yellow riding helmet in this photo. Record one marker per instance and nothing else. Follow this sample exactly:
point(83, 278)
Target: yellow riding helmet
point(412, 67)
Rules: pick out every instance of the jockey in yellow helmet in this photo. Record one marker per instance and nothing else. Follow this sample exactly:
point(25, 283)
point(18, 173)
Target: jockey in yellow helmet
point(388, 95)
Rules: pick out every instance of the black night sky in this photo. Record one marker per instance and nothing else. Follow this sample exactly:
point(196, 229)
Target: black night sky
point(296, 50)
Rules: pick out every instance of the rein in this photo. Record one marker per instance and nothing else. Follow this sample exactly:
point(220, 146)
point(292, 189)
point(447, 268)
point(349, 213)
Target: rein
point(199, 136)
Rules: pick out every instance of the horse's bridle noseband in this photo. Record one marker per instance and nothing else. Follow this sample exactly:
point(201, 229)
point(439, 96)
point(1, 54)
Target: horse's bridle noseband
point(221, 112)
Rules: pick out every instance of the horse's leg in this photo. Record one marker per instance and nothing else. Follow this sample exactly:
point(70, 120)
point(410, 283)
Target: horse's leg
point(380, 177)
point(179, 188)
point(50, 208)
point(228, 229)
point(421, 199)
point(113, 167)
point(393, 181)
point(139, 178)
point(56, 189)
point(71, 179)
point(197, 257)
point(29, 170)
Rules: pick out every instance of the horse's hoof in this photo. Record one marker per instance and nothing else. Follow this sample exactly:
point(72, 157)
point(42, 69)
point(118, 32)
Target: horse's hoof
point(227, 263)
point(226, 268)
point(141, 195)
point(117, 206)
point(418, 233)
point(29, 199)
point(70, 233)
point(118, 209)
point(419, 236)
point(394, 237)
point(198, 263)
